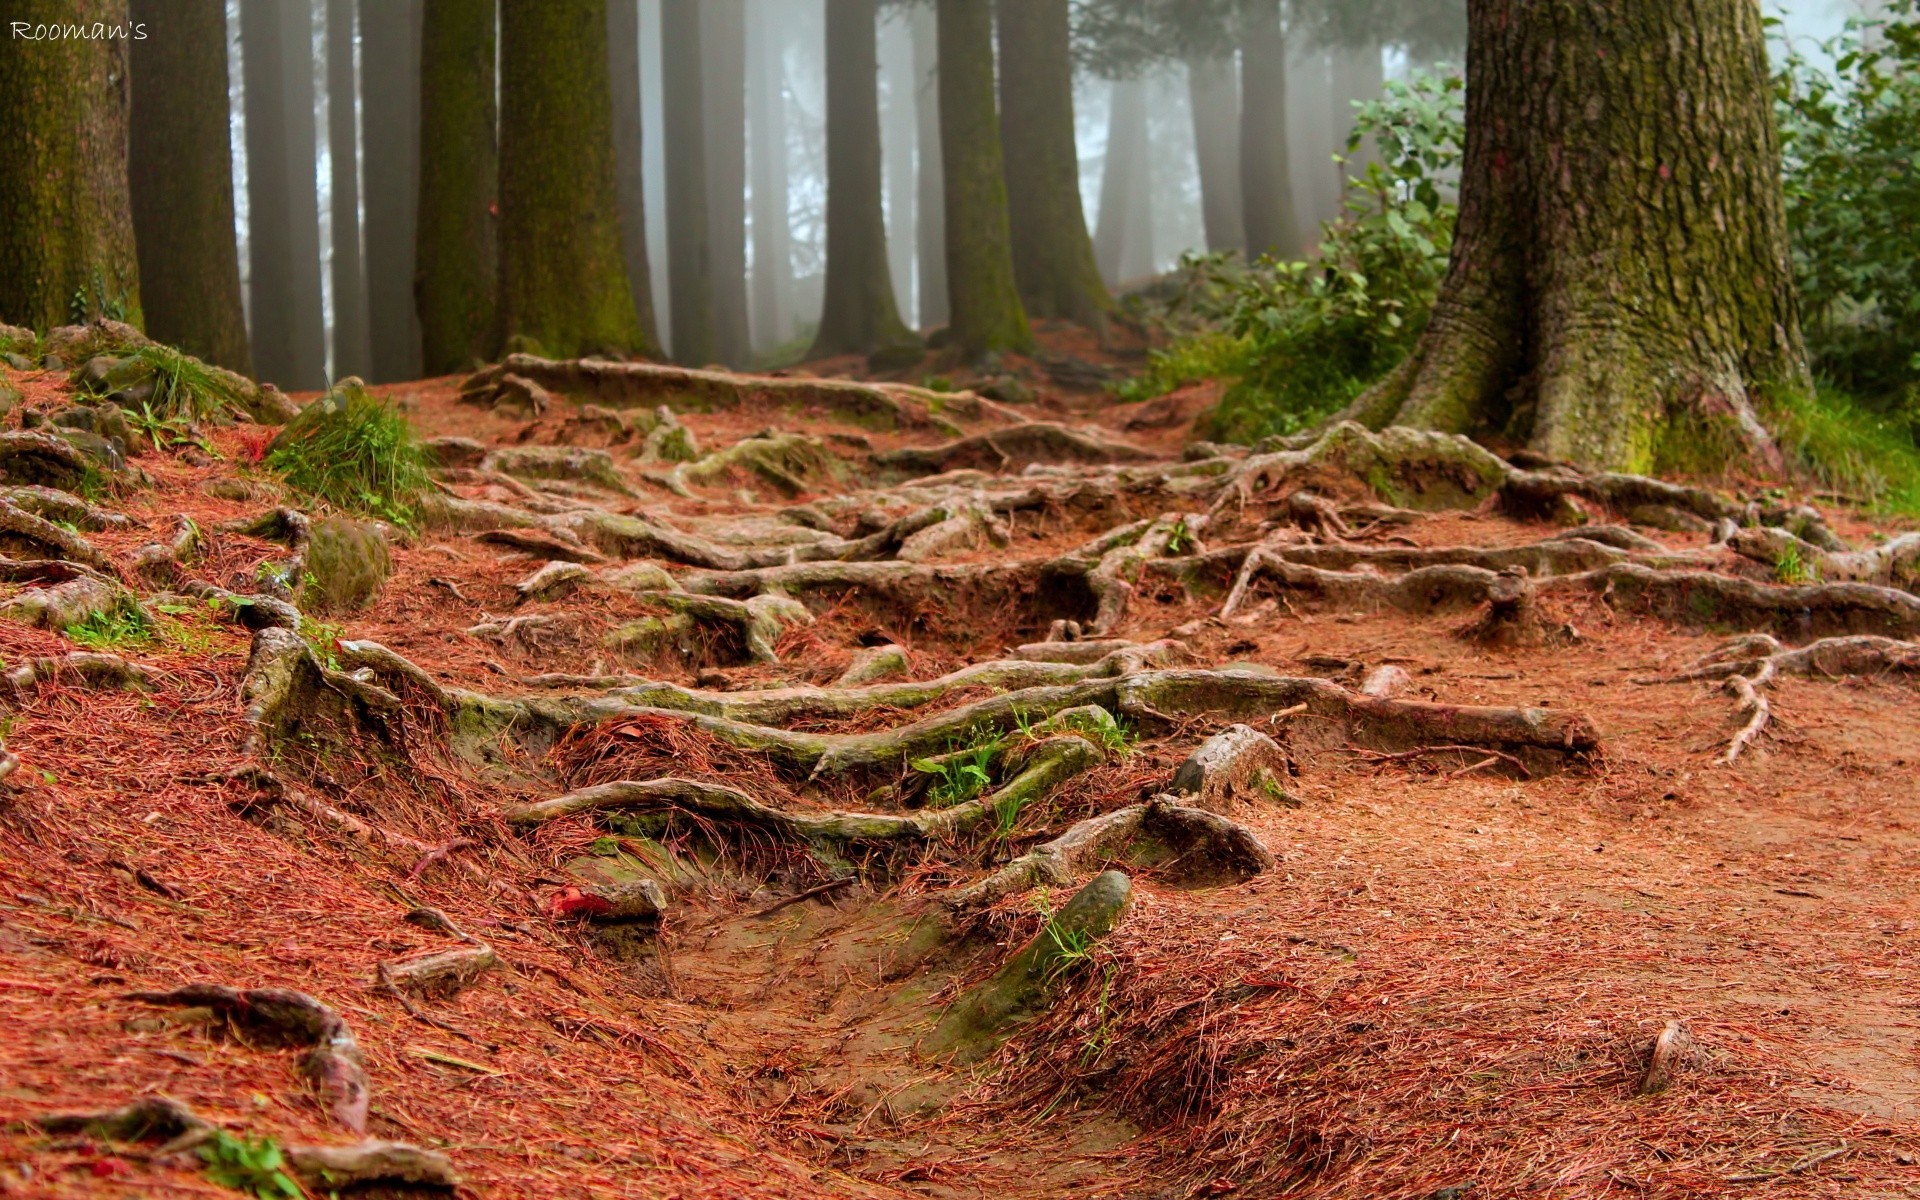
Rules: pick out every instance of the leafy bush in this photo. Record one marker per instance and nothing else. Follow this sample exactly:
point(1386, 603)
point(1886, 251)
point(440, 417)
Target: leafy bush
point(355, 452)
point(256, 1168)
point(1851, 146)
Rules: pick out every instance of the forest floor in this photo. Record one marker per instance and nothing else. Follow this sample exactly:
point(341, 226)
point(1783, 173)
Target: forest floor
point(1498, 871)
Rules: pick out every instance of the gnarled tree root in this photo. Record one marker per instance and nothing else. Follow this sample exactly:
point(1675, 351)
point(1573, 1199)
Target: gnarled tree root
point(1829, 658)
point(82, 667)
point(287, 687)
point(1013, 449)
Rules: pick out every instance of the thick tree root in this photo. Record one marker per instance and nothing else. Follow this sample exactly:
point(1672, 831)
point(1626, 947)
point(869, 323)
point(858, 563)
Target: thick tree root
point(166, 560)
point(1895, 564)
point(31, 458)
point(334, 1062)
point(1828, 658)
point(1014, 449)
point(82, 667)
point(1237, 765)
point(287, 688)
point(56, 505)
point(37, 536)
point(83, 597)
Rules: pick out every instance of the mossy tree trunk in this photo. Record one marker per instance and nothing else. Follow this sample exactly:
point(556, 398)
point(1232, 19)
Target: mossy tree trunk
point(858, 313)
point(1619, 293)
point(689, 247)
point(563, 275)
point(352, 350)
point(1266, 180)
point(1052, 253)
point(66, 224)
point(390, 125)
point(982, 296)
point(629, 157)
point(288, 321)
point(180, 170)
point(723, 81)
point(456, 261)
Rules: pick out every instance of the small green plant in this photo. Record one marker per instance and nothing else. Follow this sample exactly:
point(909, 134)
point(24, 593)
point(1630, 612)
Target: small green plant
point(123, 625)
point(180, 388)
point(323, 637)
point(962, 773)
point(253, 1167)
point(1791, 568)
point(1071, 947)
point(1179, 538)
point(355, 452)
point(84, 305)
point(1100, 728)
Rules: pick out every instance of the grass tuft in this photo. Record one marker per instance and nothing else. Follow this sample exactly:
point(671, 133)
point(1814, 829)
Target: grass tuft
point(183, 387)
point(1851, 450)
point(353, 451)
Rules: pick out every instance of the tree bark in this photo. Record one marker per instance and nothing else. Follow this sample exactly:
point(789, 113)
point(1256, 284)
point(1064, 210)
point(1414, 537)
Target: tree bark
point(767, 134)
point(629, 158)
point(180, 172)
point(1052, 254)
point(390, 119)
point(352, 353)
point(1213, 89)
point(981, 292)
point(1619, 293)
point(858, 313)
point(1310, 144)
point(930, 196)
point(723, 39)
point(457, 269)
point(1266, 185)
point(689, 245)
point(283, 214)
point(896, 153)
point(1123, 242)
point(563, 275)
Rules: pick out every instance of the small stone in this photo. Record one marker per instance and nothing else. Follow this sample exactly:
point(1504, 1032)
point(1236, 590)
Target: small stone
point(1385, 681)
point(347, 565)
point(552, 582)
point(875, 663)
point(1239, 764)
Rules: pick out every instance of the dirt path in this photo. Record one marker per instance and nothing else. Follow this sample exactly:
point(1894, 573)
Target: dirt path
point(612, 709)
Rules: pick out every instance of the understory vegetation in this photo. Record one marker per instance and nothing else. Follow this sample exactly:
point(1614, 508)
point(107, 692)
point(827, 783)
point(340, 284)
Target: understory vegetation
point(354, 451)
point(1294, 342)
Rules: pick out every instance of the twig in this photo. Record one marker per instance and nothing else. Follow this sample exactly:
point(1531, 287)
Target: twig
point(1751, 701)
point(832, 885)
point(1811, 1160)
point(439, 854)
point(451, 587)
point(1379, 756)
point(387, 985)
point(1485, 762)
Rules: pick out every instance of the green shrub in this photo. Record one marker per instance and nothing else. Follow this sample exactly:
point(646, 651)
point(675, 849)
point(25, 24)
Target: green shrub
point(1856, 452)
point(178, 385)
point(355, 452)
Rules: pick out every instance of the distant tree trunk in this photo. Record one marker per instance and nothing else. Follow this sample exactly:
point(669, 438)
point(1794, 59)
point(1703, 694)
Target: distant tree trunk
point(457, 269)
point(1052, 254)
point(1310, 144)
point(858, 313)
point(930, 195)
point(1358, 78)
point(1125, 188)
point(985, 301)
point(1213, 89)
point(689, 248)
point(563, 275)
point(283, 214)
point(390, 118)
point(1626, 311)
point(180, 168)
point(767, 126)
point(629, 158)
point(723, 78)
point(352, 354)
point(1266, 188)
point(896, 153)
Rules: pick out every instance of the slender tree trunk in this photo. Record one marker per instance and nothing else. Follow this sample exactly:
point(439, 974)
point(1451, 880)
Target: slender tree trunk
point(896, 152)
point(352, 354)
point(457, 268)
point(1052, 254)
point(689, 247)
point(1266, 187)
point(1619, 293)
point(930, 196)
point(767, 127)
point(563, 276)
point(1124, 186)
point(180, 168)
point(629, 158)
point(858, 313)
point(390, 119)
point(283, 214)
point(723, 40)
point(981, 292)
point(1310, 144)
point(1213, 88)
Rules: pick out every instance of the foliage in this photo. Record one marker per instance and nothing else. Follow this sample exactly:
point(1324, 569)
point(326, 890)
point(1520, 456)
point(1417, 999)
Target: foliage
point(122, 625)
point(1851, 145)
point(1122, 38)
point(962, 773)
point(1849, 448)
point(253, 1167)
point(355, 452)
point(1315, 334)
point(183, 387)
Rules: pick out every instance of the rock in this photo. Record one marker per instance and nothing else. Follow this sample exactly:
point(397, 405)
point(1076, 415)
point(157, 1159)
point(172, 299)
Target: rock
point(1008, 389)
point(347, 565)
point(18, 362)
point(52, 362)
point(553, 581)
point(452, 452)
point(1025, 983)
point(77, 343)
point(669, 441)
point(106, 420)
point(105, 453)
point(95, 372)
point(13, 341)
point(1387, 680)
point(874, 663)
point(1240, 764)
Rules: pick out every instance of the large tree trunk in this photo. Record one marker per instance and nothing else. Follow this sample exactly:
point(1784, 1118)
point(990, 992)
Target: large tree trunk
point(981, 292)
point(689, 249)
point(352, 354)
point(390, 122)
point(458, 265)
point(1619, 293)
point(629, 157)
point(1213, 89)
point(1052, 254)
point(858, 313)
point(723, 39)
point(767, 133)
point(930, 196)
point(563, 275)
point(896, 153)
point(180, 170)
point(1266, 186)
point(1123, 241)
point(283, 213)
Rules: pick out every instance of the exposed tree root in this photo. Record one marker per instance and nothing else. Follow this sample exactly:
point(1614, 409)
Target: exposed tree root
point(1754, 706)
point(334, 1062)
point(1895, 564)
point(287, 688)
point(166, 560)
point(56, 505)
point(31, 458)
point(1238, 765)
point(1014, 448)
point(82, 597)
point(1829, 658)
point(21, 530)
point(83, 667)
